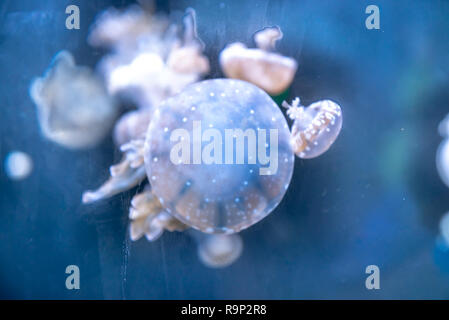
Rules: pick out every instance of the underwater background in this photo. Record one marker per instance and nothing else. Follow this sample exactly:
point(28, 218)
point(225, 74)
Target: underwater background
point(374, 198)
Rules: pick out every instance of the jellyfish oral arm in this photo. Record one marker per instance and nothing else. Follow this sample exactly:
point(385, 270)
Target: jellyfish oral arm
point(125, 180)
point(125, 175)
point(149, 218)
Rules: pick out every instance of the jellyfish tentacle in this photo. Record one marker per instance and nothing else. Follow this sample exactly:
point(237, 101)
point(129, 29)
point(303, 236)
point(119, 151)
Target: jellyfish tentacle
point(125, 175)
point(149, 219)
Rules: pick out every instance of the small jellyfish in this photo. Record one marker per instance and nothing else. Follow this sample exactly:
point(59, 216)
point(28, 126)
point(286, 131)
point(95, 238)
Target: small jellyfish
point(219, 250)
point(74, 109)
point(268, 70)
point(315, 128)
point(18, 165)
point(162, 61)
point(218, 155)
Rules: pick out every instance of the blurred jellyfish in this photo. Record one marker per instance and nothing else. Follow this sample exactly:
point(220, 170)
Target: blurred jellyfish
point(219, 195)
point(73, 108)
point(120, 30)
point(150, 61)
point(149, 218)
point(315, 128)
point(444, 229)
point(443, 127)
point(132, 125)
point(268, 70)
point(18, 165)
point(442, 157)
point(219, 250)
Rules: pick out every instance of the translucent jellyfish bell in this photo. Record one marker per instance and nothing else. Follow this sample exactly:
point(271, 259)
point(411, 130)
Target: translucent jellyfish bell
point(315, 128)
point(218, 155)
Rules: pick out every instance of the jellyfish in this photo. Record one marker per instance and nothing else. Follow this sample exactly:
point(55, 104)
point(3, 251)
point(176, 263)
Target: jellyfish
point(120, 30)
point(444, 229)
point(150, 61)
point(262, 66)
point(219, 250)
point(442, 163)
point(149, 218)
point(74, 109)
point(18, 165)
point(315, 128)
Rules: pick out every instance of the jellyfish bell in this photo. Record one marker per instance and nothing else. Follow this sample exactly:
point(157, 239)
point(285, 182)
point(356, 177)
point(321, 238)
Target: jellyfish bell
point(268, 70)
point(73, 107)
point(211, 179)
point(151, 61)
point(315, 128)
point(219, 250)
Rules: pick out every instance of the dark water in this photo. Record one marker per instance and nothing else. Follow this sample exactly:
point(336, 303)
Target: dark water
point(374, 198)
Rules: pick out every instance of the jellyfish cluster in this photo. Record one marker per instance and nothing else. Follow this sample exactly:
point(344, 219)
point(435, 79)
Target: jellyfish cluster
point(216, 156)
